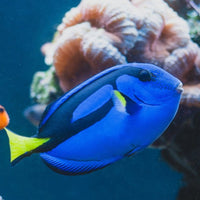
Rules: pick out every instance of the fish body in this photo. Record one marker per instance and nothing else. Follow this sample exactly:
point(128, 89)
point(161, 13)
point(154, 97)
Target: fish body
point(114, 114)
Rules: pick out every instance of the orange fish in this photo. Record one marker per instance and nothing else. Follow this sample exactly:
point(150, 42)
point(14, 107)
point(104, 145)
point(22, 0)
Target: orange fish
point(4, 118)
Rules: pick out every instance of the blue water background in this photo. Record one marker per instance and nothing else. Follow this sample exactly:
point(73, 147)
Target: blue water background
point(25, 26)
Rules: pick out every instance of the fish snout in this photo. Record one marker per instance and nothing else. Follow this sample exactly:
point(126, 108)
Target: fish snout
point(179, 88)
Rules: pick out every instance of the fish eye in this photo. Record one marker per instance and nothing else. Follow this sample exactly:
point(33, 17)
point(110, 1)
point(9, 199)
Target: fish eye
point(144, 75)
point(1, 109)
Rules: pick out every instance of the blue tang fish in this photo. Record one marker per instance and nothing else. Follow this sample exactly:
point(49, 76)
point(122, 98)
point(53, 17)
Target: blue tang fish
point(114, 114)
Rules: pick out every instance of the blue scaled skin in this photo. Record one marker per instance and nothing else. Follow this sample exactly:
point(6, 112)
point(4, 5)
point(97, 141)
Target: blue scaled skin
point(111, 115)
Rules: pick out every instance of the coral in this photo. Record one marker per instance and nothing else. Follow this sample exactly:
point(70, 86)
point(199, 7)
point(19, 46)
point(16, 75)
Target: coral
point(179, 6)
point(45, 87)
point(92, 37)
point(194, 23)
point(34, 113)
point(99, 34)
point(165, 39)
point(83, 51)
point(182, 143)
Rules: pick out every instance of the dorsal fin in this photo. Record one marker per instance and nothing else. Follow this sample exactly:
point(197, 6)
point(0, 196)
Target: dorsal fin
point(54, 106)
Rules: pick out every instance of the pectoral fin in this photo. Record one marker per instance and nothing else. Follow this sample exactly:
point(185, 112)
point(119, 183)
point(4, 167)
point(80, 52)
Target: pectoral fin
point(124, 103)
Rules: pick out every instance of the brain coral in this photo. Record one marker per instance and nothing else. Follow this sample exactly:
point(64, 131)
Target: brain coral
point(98, 34)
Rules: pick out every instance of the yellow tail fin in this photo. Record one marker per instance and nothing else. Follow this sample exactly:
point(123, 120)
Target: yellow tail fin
point(20, 145)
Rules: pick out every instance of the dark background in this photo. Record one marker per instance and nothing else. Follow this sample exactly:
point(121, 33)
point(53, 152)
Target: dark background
point(24, 26)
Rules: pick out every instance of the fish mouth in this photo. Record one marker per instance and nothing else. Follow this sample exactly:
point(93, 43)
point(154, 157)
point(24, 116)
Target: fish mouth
point(179, 88)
